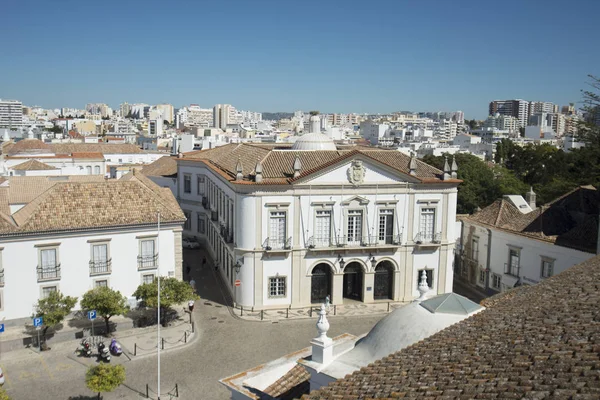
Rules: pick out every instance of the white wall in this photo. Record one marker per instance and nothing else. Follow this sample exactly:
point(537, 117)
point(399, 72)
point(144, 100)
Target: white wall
point(20, 260)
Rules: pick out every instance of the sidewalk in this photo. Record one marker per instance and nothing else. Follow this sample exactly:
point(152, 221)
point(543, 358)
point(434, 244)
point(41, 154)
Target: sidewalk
point(19, 341)
point(340, 310)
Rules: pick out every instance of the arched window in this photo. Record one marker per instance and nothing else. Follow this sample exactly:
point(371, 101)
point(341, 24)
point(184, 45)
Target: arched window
point(88, 169)
point(97, 170)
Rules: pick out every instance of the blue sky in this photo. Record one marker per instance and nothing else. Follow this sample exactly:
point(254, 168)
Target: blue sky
point(329, 55)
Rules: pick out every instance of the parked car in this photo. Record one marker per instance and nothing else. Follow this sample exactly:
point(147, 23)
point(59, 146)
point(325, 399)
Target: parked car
point(189, 244)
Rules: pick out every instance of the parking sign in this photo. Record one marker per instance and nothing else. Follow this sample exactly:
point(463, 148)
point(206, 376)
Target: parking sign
point(92, 314)
point(1, 328)
point(37, 322)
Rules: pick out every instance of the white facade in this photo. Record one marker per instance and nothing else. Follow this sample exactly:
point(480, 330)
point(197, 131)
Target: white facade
point(77, 272)
point(373, 131)
point(11, 114)
point(295, 244)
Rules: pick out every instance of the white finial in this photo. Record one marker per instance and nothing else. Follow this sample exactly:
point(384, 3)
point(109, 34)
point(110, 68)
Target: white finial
point(297, 166)
point(30, 133)
point(239, 170)
point(322, 324)
point(423, 286)
point(412, 167)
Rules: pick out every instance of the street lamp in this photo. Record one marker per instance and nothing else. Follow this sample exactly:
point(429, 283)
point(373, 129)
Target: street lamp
point(373, 260)
point(341, 261)
point(237, 267)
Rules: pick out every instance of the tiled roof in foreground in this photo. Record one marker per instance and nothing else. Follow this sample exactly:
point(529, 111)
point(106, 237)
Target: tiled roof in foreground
point(278, 161)
point(534, 342)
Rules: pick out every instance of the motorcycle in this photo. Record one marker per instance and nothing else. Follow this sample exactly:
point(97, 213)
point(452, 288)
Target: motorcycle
point(115, 348)
point(103, 352)
point(84, 348)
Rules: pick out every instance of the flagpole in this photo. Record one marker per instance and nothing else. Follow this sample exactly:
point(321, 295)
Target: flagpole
point(158, 312)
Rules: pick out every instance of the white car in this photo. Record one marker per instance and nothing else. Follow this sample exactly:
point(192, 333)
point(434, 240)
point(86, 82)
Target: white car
point(189, 244)
point(1, 377)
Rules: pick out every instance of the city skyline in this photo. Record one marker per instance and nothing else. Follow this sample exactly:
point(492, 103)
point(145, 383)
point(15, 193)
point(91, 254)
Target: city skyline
point(273, 57)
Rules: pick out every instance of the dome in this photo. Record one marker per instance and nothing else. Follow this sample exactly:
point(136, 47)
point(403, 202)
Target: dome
point(314, 141)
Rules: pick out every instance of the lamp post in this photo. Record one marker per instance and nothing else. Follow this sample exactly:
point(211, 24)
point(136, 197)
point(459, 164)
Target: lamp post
point(158, 311)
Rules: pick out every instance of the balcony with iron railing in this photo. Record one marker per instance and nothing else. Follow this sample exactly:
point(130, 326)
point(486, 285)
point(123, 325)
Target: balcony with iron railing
point(205, 202)
point(277, 244)
point(512, 270)
point(147, 262)
point(1, 277)
point(428, 238)
point(316, 242)
point(100, 267)
point(48, 273)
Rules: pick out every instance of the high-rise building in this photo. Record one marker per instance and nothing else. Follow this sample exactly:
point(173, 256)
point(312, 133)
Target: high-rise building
point(515, 108)
point(155, 127)
point(125, 109)
point(11, 113)
point(223, 115)
point(542, 107)
point(168, 112)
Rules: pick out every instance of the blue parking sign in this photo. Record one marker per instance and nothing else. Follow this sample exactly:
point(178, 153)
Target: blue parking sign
point(39, 321)
point(91, 314)
point(1, 328)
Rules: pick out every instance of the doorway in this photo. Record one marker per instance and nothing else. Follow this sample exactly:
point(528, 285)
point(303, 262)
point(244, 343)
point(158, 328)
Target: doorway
point(320, 283)
point(384, 275)
point(353, 282)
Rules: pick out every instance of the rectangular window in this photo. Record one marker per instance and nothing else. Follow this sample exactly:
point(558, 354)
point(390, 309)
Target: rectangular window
point(187, 183)
point(429, 273)
point(277, 229)
point(46, 290)
point(49, 267)
point(482, 276)
point(201, 224)
point(513, 262)
point(200, 180)
point(547, 268)
point(323, 228)
point(427, 224)
point(147, 278)
point(147, 257)
point(188, 221)
point(386, 226)
point(99, 263)
point(496, 281)
point(101, 283)
point(277, 286)
point(354, 227)
point(475, 249)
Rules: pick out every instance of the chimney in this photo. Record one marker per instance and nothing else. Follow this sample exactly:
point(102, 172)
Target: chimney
point(530, 198)
point(454, 169)
point(412, 167)
point(322, 346)
point(297, 166)
point(258, 172)
point(239, 173)
point(446, 169)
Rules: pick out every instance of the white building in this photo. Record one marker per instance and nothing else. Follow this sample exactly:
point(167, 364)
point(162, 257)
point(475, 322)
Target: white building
point(155, 127)
point(502, 123)
point(512, 242)
point(223, 115)
point(297, 224)
point(167, 111)
point(73, 235)
point(194, 116)
point(373, 131)
point(11, 114)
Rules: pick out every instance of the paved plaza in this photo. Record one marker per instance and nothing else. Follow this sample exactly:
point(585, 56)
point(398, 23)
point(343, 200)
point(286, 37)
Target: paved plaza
point(222, 345)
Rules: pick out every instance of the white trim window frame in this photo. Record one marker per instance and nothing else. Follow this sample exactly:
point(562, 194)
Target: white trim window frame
point(496, 282)
point(187, 183)
point(385, 227)
point(187, 225)
point(277, 287)
point(49, 263)
point(547, 267)
point(147, 253)
point(147, 278)
point(100, 258)
point(200, 180)
point(354, 226)
point(323, 228)
point(277, 229)
point(427, 223)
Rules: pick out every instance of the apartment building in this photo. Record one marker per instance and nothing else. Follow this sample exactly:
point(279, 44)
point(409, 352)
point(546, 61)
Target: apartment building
point(515, 108)
point(11, 114)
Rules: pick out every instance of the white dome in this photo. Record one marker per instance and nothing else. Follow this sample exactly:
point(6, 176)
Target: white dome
point(314, 141)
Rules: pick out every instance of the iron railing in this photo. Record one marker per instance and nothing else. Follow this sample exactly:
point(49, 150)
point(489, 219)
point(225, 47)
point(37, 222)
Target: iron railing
point(1, 277)
point(100, 266)
point(342, 240)
point(48, 273)
point(277, 244)
point(205, 202)
point(318, 242)
point(147, 262)
point(428, 237)
point(512, 270)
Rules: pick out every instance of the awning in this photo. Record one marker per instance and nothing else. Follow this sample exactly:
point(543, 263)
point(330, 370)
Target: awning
point(509, 280)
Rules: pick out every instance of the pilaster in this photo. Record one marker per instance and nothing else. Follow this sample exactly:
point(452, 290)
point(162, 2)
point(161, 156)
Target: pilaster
point(368, 296)
point(337, 289)
point(178, 253)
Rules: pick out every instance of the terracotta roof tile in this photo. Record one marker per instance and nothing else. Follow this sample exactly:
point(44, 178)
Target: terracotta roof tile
point(104, 148)
point(164, 166)
point(28, 146)
point(32, 165)
point(98, 156)
point(539, 341)
point(292, 385)
point(24, 189)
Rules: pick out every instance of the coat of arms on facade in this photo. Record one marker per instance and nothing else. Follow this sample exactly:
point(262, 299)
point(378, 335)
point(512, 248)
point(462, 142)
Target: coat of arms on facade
point(356, 173)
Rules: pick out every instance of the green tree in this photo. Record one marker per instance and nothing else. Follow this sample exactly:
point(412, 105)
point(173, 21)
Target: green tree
point(56, 129)
point(104, 378)
point(53, 309)
point(588, 129)
point(172, 291)
point(3, 394)
point(106, 301)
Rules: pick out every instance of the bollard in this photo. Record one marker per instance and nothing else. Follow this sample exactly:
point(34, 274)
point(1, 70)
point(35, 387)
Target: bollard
point(335, 309)
point(261, 315)
point(287, 312)
point(193, 325)
point(162, 343)
point(176, 390)
point(185, 337)
point(147, 392)
point(135, 349)
point(310, 312)
point(241, 311)
point(388, 306)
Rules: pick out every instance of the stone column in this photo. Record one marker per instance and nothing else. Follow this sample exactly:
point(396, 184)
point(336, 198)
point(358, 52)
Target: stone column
point(337, 289)
point(369, 283)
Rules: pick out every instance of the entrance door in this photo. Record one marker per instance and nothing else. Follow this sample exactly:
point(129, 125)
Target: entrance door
point(353, 282)
point(384, 274)
point(320, 283)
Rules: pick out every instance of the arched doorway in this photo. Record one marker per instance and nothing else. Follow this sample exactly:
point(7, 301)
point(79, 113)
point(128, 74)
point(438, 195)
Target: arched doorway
point(384, 281)
point(353, 281)
point(320, 283)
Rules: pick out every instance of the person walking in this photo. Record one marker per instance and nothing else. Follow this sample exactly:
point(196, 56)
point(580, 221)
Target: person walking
point(193, 285)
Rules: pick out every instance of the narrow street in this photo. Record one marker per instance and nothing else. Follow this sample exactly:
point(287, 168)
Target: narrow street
point(224, 345)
